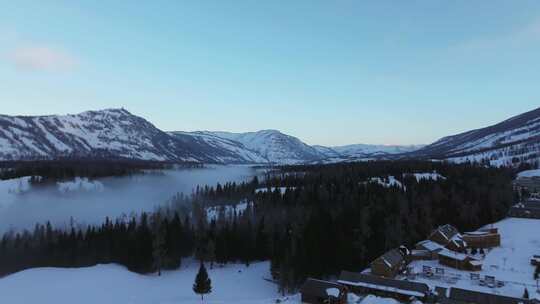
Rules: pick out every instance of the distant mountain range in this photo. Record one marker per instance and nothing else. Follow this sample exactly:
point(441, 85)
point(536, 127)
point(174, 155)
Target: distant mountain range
point(116, 133)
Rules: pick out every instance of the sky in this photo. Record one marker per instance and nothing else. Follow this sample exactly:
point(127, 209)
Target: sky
point(329, 72)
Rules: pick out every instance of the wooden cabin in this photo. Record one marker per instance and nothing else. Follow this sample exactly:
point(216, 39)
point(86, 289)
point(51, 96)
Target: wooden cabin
point(323, 292)
point(449, 237)
point(384, 287)
point(389, 264)
point(459, 261)
point(485, 238)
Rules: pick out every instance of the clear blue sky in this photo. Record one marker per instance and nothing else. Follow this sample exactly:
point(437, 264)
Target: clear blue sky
point(329, 72)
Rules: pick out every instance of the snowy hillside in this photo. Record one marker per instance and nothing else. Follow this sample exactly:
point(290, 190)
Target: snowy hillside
point(507, 143)
point(223, 149)
point(113, 284)
point(108, 133)
point(275, 146)
point(363, 150)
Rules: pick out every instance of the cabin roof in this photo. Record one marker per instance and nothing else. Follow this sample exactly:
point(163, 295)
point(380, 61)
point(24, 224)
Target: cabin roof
point(392, 258)
point(453, 255)
point(391, 285)
point(447, 231)
point(319, 288)
point(470, 296)
point(430, 245)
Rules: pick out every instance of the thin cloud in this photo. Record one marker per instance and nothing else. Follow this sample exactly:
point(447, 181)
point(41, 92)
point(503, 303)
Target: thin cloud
point(42, 58)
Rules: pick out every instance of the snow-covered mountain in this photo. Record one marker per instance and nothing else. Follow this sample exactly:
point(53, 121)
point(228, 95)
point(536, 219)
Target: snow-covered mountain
point(116, 133)
point(112, 133)
point(510, 142)
point(275, 146)
point(221, 149)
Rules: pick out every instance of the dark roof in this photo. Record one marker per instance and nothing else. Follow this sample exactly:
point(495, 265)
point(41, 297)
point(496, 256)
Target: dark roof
point(354, 277)
point(318, 288)
point(448, 231)
point(469, 296)
point(392, 258)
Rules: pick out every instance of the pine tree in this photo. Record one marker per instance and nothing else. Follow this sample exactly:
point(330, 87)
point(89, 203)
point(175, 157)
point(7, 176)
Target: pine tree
point(526, 294)
point(203, 284)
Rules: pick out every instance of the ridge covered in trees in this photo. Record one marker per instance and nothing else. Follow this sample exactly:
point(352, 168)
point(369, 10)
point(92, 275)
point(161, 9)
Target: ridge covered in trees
point(330, 218)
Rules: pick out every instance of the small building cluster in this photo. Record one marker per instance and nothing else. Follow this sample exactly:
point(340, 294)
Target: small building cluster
point(529, 184)
point(317, 292)
point(527, 209)
point(444, 244)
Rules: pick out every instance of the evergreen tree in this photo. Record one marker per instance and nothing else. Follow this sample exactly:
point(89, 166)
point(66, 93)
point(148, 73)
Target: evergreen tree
point(526, 294)
point(203, 284)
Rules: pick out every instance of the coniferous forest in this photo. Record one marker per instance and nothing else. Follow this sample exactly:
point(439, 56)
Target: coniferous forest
point(330, 218)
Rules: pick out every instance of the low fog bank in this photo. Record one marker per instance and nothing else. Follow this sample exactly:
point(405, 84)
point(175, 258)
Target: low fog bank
point(22, 207)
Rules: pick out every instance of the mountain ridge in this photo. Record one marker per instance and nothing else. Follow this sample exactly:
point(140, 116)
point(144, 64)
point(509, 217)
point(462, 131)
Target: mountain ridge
point(116, 133)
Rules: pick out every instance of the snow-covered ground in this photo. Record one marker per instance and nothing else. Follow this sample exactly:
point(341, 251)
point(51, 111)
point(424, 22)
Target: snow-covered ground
point(520, 240)
point(529, 173)
point(371, 299)
point(114, 284)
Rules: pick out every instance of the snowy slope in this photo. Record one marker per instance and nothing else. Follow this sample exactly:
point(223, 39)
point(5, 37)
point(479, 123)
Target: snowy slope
point(113, 133)
point(529, 173)
point(275, 146)
point(507, 143)
point(113, 284)
point(223, 149)
point(363, 150)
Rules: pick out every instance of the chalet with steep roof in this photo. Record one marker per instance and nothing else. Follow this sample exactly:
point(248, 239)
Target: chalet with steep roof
point(449, 237)
point(389, 264)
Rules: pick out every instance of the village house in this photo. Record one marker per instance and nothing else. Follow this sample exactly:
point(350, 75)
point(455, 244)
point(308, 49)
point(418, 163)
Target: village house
point(464, 296)
point(484, 238)
point(389, 264)
point(323, 292)
point(459, 261)
point(449, 237)
point(383, 287)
